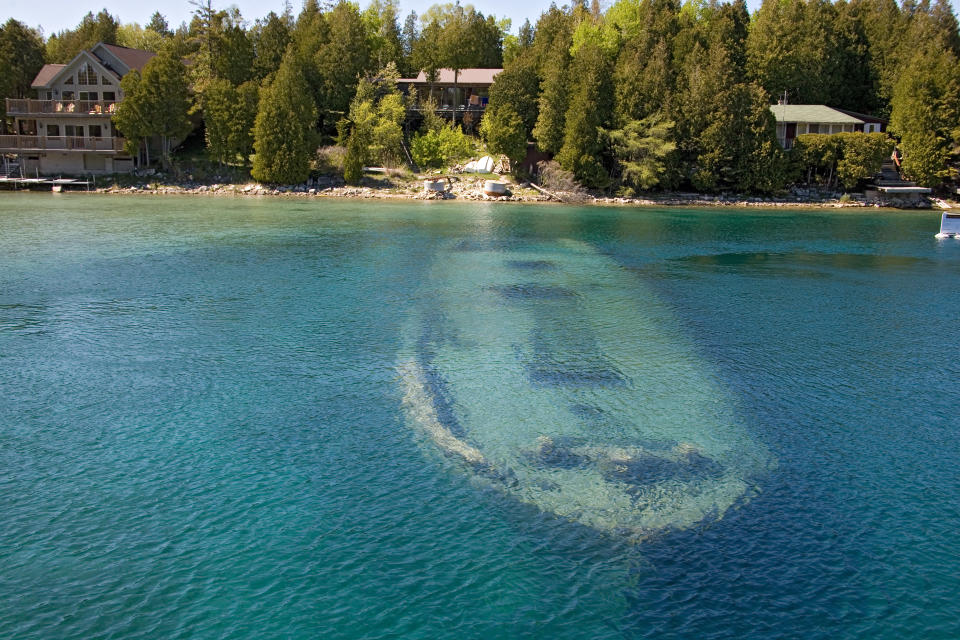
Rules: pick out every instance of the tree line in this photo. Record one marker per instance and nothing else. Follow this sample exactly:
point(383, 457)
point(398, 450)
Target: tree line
point(648, 94)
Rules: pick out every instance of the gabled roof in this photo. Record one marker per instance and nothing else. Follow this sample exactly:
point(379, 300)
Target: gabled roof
point(863, 116)
point(128, 59)
point(133, 58)
point(464, 76)
point(811, 113)
point(46, 74)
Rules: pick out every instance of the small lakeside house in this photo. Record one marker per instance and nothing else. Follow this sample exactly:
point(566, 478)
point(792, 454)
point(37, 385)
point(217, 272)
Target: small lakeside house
point(464, 93)
point(798, 119)
point(68, 128)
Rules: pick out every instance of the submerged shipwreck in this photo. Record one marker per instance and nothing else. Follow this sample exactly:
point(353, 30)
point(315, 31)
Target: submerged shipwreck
point(553, 374)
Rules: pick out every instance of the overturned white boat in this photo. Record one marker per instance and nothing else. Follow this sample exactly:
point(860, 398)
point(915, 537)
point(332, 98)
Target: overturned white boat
point(949, 225)
point(551, 373)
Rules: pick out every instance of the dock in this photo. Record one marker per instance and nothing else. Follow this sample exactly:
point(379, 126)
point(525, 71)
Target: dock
point(55, 184)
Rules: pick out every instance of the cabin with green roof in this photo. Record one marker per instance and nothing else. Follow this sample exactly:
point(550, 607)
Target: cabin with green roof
point(797, 119)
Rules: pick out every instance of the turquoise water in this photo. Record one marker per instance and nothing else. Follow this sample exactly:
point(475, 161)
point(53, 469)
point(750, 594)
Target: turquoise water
point(209, 425)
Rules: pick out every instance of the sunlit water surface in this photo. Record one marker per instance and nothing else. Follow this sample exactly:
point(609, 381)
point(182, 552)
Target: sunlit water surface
point(219, 419)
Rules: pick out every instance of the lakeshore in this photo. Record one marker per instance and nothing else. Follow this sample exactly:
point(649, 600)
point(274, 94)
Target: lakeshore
point(468, 189)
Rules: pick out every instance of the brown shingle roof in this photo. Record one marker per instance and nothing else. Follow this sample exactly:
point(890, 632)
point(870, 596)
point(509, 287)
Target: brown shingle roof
point(133, 58)
point(465, 76)
point(46, 74)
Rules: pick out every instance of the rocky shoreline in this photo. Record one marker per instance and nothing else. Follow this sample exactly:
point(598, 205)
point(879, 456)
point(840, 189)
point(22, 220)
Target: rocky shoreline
point(467, 189)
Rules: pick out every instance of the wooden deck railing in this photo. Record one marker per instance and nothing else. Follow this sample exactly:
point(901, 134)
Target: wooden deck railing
point(24, 106)
point(60, 143)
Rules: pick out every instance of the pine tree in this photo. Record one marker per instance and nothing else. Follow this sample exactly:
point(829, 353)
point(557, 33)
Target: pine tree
point(21, 57)
point(284, 138)
point(270, 38)
point(589, 110)
point(554, 96)
point(926, 115)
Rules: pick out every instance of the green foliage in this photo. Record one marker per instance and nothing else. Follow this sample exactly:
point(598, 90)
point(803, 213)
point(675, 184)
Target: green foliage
point(229, 114)
point(155, 103)
point(554, 97)
point(862, 155)
point(739, 150)
point(505, 132)
point(135, 37)
point(441, 147)
point(926, 115)
point(270, 38)
point(21, 57)
point(589, 110)
point(816, 156)
point(380, 19)
point(374, 130)
point(640, 148)
point(284, 139)
point(517, 87)
point(353, 161)
point(63, 47)
point(342, 60)
point(847, 158)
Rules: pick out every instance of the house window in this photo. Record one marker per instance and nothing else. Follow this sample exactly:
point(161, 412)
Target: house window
point(53, 130)
point(813, 128)
point(96, 131)
point(68, 95)
point(105, 80)
point(69, 80)
point(109, 96)
point(49, 95)
point(89, 95)
point(74, 131)
point(86, 74)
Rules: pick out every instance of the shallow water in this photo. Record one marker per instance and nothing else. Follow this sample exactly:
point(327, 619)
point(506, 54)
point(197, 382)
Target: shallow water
point(203, 430)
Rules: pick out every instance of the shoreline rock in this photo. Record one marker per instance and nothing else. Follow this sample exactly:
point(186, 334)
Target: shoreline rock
point(467, 191)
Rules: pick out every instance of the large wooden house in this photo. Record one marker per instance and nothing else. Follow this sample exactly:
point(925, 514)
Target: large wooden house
point(67, 129)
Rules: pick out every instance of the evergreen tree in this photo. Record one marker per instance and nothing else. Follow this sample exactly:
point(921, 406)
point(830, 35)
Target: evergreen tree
point(229, 114)
point(21, 57)
point(740, 151)
point(284, 138)
point(554, 96)
point(926, 115)
point(341, 61)
point(640, 149)
point(517, 86)
point(158, 24)
point(156, 103)
point(588, 111)
point(64, 46)
point(270, 38)
point(505, 132)
point(409, 40)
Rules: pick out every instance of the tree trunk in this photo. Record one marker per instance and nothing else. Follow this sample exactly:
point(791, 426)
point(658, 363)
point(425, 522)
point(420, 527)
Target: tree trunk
point(453, 116)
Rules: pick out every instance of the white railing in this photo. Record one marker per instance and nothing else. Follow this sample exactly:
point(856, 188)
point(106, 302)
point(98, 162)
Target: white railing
point(24, 106)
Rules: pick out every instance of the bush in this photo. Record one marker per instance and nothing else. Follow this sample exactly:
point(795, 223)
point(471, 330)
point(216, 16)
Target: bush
point(844, 158)
point(329, 160)
point(556, 178)
point(441, 147)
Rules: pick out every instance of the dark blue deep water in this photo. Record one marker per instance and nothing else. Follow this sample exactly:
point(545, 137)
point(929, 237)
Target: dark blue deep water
point(204, 431)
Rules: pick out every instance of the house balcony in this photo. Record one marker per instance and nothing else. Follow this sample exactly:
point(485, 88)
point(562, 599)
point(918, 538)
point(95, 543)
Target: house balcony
point(23, 144)
point(28, 107)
